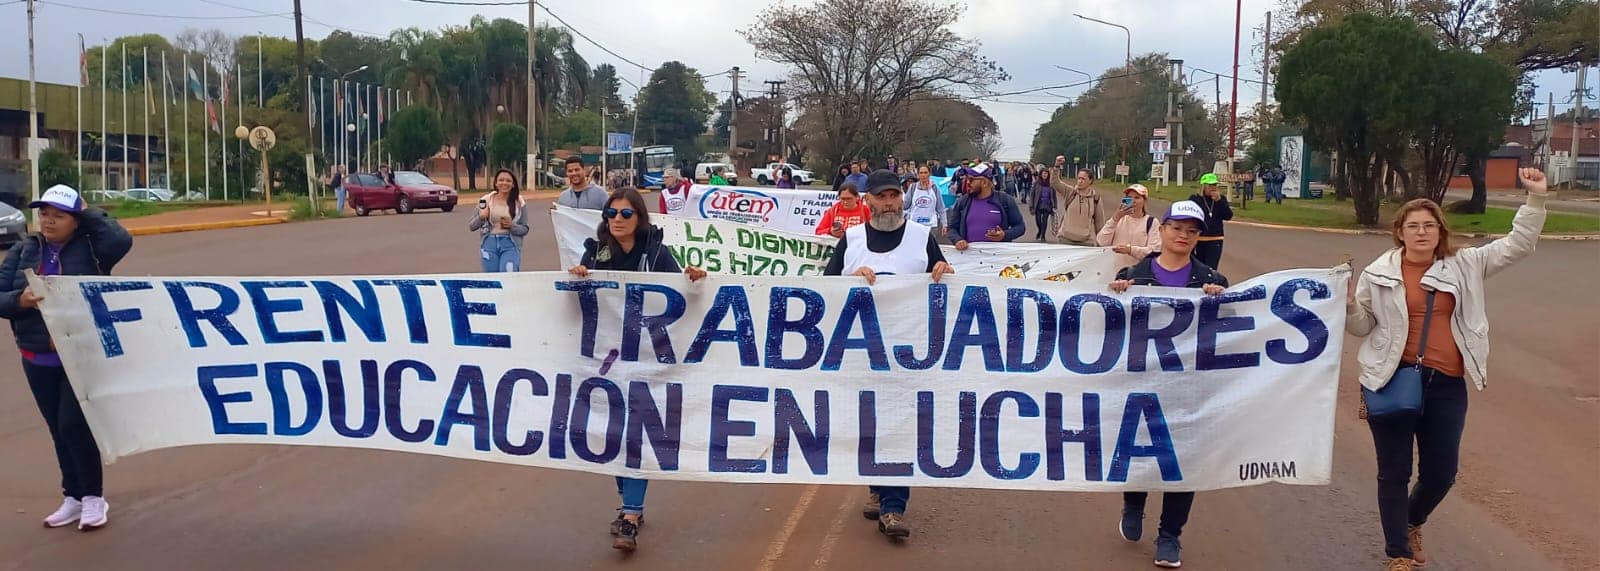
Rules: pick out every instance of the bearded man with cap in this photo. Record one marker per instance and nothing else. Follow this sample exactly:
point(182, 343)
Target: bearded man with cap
point(74, 239)
point(1215, 205)
point(1175, 265)
point(887, 244)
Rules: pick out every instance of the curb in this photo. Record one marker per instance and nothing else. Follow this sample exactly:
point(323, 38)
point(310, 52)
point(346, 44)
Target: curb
point(197, 226)
point(1360, 232)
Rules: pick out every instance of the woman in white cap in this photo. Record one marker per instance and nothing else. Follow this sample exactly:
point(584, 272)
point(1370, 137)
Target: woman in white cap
point(1132, 233)
point(74, 239)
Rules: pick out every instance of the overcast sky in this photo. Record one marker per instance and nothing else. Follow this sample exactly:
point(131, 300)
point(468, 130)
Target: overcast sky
point(1027, 37)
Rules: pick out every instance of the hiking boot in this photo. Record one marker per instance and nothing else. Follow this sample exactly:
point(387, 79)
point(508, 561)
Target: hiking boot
point(1400, 564)
point(894, 525)
point(1414, 540)
point(1168, 552)
point(1132, 527)
point(871, 510)
point(624, 534)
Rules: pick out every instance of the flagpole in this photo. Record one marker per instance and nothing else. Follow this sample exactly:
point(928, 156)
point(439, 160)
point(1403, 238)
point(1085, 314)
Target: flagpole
point(261, 89)
point(205, 97)
point(238, 97)
point(223, 128)
point(187, 186)
point(166, 120)
point(144, 61)
point(105, 141)
point(124, 75)
point(322, 119)
point(379, 125)
point(83, 77)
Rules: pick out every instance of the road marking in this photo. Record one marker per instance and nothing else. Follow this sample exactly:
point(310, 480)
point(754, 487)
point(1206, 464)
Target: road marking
point(775, 549)
point(835, 530)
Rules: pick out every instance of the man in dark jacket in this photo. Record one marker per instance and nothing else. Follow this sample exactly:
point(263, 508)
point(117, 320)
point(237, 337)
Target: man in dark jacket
point(984, 215)
point(75, 240)
point(1174, 266)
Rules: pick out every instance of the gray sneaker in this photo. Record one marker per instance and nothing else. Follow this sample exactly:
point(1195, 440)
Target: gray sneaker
point(1167, 552)
point(871, 509)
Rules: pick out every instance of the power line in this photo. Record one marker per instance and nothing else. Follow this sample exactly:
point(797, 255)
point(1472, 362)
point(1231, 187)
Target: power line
point(462, 3)
point(165, 16)
point(290, 16)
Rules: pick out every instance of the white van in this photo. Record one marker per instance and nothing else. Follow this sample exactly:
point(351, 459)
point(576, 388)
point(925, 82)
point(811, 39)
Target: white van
point(703, 172)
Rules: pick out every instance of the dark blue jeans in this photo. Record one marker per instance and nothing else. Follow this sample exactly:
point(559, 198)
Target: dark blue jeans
point(76, 451)
point(892, 499)
point(1437, 434)
point(1174, 509)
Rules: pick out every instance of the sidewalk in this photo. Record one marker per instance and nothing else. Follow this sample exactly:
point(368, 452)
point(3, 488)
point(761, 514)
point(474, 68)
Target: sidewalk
point(209, 218)
point(1514, 199)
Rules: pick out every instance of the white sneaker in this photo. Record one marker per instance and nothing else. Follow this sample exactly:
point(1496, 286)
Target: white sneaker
point(95, 511)
point(69, 511)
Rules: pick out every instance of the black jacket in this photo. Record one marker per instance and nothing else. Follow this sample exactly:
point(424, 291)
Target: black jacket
point(1144, 275)
point(94, 250)
point(1010, 213)
point(655, 257)
point(1217, 212)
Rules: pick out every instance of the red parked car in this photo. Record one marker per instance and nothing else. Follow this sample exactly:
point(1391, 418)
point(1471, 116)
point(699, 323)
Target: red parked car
point(411, 190)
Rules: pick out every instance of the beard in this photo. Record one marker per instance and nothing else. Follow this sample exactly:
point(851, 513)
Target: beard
point(887, 220)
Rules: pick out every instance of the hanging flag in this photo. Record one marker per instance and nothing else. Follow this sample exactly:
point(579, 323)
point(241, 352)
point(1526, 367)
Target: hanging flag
point(83, 63)
point(211, 112)
point(194, 85)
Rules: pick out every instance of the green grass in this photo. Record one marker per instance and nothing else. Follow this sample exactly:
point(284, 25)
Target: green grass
point(302, 209)
point(125, 209)
point(1330, 213)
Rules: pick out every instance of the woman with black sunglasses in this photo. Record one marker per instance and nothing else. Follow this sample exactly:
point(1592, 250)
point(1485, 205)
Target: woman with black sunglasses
point(626, 241)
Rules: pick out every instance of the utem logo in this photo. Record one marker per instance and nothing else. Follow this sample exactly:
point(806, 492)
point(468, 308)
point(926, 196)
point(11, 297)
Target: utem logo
point(742, 205)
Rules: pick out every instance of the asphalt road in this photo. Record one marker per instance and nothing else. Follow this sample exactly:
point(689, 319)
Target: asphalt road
point(1528, 495)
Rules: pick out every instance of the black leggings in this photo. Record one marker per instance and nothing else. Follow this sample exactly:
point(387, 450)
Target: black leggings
point(76, 451)
point(1041, 220)
point(1437, 433)
point(1209, 252)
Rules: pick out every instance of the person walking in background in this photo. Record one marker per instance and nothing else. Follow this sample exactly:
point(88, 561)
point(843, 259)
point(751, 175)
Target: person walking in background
point(336, 183)
point(844, 214)
point(858, 174)
point(502, 220)
point(887, 244)
point(1044, 206)
point(984, 215)
point(1217, 211)
point(674, 192)
point(1081, 213)
point(1024, 179)
point(1278, 177)
point(1430, 294)
point(785, 178)
point(924, 203)
point(74, 239)
point(1173, 265)
point(1131, 232)
point(581, 191)
point(626, 241)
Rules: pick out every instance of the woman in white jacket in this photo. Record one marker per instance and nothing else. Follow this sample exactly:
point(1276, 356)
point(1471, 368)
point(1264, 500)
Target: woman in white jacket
point(1388, 306)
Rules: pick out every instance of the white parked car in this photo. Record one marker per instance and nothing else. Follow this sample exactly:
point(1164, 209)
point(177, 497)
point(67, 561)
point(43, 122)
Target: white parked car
point(769, 175)
point(148, 194)
point(102, 196)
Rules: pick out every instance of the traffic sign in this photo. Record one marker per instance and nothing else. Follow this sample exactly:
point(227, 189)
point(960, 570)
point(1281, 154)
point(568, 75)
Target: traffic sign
point(1159, 133)
point(1122, 170)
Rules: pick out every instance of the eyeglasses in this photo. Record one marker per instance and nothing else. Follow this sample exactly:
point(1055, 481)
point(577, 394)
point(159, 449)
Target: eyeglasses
point(1182, 230)
point(1421, 227)
point(610, 213)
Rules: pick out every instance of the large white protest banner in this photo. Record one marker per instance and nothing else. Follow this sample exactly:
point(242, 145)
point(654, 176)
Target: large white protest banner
point(789, 210)
point(723, 247)
point(975, 382)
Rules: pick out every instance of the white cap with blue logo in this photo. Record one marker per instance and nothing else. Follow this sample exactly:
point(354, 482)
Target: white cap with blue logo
point(60, 197)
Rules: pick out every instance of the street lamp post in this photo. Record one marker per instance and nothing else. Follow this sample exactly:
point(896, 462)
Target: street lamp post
point(1127, 69)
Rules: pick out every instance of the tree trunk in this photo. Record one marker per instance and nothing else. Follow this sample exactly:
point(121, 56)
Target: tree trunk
point(1346, 180)
point(1480, 185)
point(1366, 173)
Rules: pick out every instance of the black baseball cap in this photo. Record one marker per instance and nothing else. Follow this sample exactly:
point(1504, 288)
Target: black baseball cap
point(882, 179)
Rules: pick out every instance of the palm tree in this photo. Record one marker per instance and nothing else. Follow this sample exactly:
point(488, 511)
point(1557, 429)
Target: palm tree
point(418, 65)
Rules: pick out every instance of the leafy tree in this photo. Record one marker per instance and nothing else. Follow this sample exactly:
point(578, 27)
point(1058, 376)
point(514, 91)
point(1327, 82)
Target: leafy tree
point(56, 167)
point(1121, 109)
point(1353, 85)
point(674, 108)
point(861, 63)
point(414, 134)
point(1464, 111)
point(508, 145)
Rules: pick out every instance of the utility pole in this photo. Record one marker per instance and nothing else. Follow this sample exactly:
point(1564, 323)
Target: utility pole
point(733, 118)
point(1175, 120)
point(311, 127)
point(33, 115)
point(1266, 60)
point(533, 96)
point(1549, 138)
point(1577, 125)
point(775, 97)
point(1233, 107)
